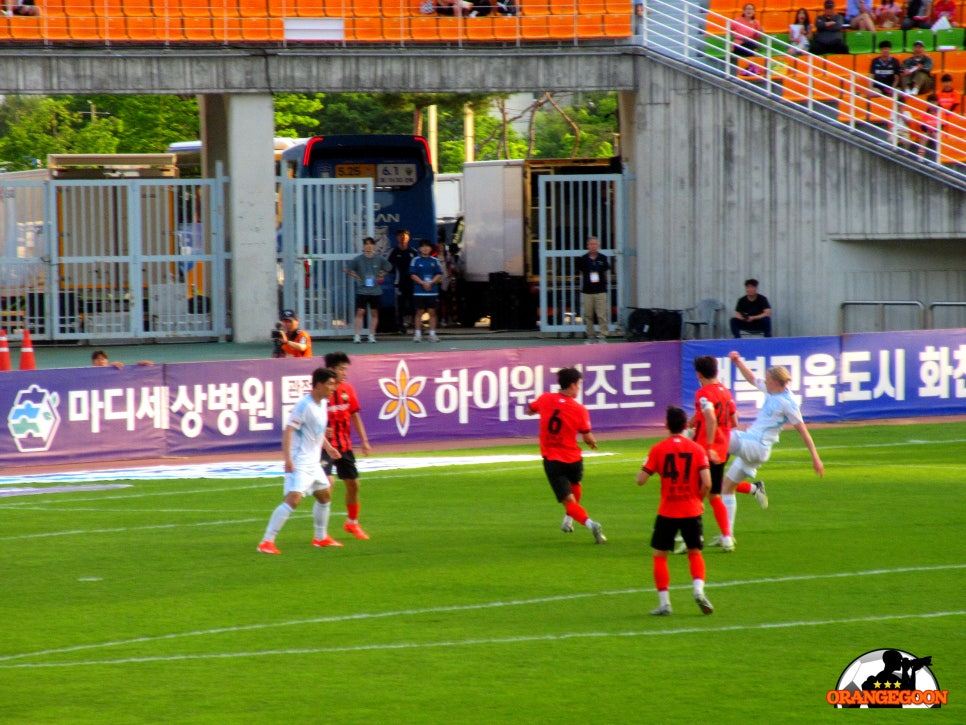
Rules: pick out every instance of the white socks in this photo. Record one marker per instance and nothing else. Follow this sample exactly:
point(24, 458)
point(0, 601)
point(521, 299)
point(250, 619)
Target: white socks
point(277, 520)
point(320, 516)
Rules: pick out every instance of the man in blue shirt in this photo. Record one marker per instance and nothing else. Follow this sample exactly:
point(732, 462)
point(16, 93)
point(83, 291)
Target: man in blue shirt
point(426, 275)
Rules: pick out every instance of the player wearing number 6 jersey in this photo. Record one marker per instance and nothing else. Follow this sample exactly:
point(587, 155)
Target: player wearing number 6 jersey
point(561, 419)
point(685, 480)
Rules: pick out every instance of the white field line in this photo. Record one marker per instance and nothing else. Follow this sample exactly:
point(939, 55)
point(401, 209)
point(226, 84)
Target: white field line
point(9, 661)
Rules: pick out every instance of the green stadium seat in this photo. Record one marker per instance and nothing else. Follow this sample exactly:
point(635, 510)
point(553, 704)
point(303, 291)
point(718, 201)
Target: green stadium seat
point(923, 35)
point(895, 36)
point(715, 47)
point(952, 37)
point(860, 41)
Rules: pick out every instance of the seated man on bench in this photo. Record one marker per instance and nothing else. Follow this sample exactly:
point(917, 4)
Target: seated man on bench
point(752, 312)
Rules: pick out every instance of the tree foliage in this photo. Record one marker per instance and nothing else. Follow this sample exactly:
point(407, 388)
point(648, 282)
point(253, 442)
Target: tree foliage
point(31, 127)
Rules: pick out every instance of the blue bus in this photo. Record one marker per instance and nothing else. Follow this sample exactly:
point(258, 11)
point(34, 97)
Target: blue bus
point(400, 169)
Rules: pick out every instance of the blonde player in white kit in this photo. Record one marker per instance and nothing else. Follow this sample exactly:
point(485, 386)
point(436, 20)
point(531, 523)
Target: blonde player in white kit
point(303, 437)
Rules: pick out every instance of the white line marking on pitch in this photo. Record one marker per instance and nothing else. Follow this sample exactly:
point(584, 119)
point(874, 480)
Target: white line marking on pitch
point(467, 607)
point(491, 641)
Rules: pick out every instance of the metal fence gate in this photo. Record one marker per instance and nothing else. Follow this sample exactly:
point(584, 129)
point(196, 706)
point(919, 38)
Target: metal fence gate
point(572, 208)
point(113, 259)
point(323, 224)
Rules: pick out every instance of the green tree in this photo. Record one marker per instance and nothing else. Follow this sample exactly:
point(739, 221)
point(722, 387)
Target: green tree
point(587, 128)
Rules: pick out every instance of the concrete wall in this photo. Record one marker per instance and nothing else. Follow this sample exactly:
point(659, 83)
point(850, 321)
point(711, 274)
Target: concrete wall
point(724, 189)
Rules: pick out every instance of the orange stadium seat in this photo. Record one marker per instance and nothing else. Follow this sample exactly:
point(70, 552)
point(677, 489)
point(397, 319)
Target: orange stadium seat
point(563, 7)
point(506, 28)
point(363, 29)
point(853, 109)
point(534, 28)
point(397, 9)
point(263, 29)
point(839, 63)
point(194, 8)
point(425, 28)
point(198, 29)
point(536, 7)
point(561, 27)
point(55, 7)
point(593, 7)
point(366, 9)
point(788, 6)
point(880, 109)
point(53, 28)
point(253, 8)
point(89, 28)
point(775, 21)
point(396, 29)
point(337, 8)
point(307, 9)
point(77, 8)
point(952, 144)
point(617, 26)
point(618, 7)
point(451, 29)
point(479, 29)
point(114, 28)
point(224, 9)
point(590, 26)
point(137, 8)
point(954, 60)
point(728, 8)
point(4, 28)
point(142, 28)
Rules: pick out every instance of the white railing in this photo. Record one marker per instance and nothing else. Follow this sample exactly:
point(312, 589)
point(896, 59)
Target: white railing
point(812, 85)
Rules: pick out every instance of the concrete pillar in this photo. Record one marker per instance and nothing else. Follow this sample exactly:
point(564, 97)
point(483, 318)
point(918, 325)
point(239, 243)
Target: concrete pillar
point(629, 139)
point(238, 130)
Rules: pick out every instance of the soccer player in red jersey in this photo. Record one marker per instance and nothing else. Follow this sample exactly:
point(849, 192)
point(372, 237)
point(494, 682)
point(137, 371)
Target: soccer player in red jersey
point(343, 415)
point(685, 480)
point(714, 417)
point(561, 419)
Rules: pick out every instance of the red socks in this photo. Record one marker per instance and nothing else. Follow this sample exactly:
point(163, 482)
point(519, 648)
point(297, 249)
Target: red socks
point(696, 565)
point(353, 512)
point(721, 515)
point(576, 512)
point(662, 578)
point(576, 490)
point(743, 487)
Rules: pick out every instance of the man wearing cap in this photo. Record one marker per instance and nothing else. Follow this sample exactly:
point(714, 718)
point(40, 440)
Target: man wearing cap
point(426, 274)
point(293, 341)
point(828, 32)
point(917, 71)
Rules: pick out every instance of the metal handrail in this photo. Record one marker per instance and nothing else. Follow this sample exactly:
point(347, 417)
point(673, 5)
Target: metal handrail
point(930, 316)
point(881, 304)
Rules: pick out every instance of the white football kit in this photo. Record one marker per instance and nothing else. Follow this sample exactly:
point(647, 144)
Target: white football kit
point(752, 447)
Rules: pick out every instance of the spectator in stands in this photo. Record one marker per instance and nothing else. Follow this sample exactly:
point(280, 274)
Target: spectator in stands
point(944, 9)
point(903, 125)
point(799, 32)
point(917, 71)
point(858, 15)
point(454, 7)
point(888, 15)
point(638, 17)
point(828, 32)
point(929, 127)
point(947, 96)
point(21, 7)
point(746, 31)
point(884, 70)
point(752, 312)
point(918, 13)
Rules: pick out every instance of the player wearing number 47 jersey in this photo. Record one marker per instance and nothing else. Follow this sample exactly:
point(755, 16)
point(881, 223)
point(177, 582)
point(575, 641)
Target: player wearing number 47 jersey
point(561, 419)
point(682, 465)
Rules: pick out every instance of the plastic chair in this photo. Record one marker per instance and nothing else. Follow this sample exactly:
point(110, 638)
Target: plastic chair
point(703, 314)
point(951, 37)
point(894, 36)
point(954, 60)
point(921, 35)
point(860, 41)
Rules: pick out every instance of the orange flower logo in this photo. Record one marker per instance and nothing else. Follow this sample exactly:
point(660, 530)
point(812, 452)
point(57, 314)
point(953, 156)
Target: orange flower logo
point(403, 404)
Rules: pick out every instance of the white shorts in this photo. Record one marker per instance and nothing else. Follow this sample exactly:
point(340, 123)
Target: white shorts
point(306, 480)
point(749, 453)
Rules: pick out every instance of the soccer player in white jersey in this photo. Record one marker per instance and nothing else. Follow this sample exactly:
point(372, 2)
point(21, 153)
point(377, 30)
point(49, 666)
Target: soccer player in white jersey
point(303, 437)
point(752, 447)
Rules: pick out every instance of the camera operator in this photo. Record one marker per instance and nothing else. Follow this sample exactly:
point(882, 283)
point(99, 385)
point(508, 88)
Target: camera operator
point(288, 339)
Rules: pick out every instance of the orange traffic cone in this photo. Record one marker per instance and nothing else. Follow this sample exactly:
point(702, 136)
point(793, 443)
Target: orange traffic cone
point(4, 352)
point(27, 361)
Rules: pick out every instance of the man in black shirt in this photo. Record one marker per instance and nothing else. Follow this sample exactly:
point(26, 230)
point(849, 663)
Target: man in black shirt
point(400, 259)
point(594, 297)
point(752, 313)
point(884, 69)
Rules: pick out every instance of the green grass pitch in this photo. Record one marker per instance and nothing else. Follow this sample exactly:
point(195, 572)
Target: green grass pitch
point(149, 604)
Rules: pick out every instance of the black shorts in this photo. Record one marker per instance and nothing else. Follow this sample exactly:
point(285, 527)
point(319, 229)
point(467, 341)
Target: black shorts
point(665, 529)
point(345, 467)
point(425, 303)
point(717, 475)
point(561, 475)
point(370, 301)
